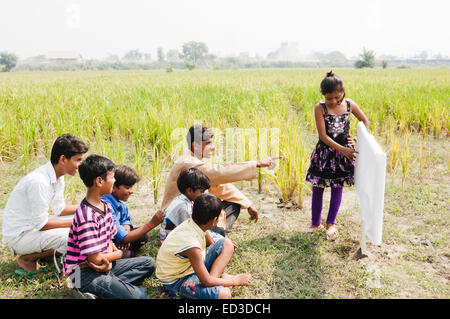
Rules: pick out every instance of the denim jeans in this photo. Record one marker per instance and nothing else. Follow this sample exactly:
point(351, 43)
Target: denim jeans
point(190, 286)
point(232, 211)
point(121, 282)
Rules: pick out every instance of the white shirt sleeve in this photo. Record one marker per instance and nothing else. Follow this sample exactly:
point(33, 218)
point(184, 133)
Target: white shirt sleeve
point(39, 198)
point(58, 203)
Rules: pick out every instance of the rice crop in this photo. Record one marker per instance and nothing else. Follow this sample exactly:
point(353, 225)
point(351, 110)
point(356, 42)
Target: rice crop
point(131, 116)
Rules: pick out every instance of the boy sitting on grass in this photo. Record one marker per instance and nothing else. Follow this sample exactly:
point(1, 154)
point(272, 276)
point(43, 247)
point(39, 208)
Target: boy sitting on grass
point(191, 182)
point(182, 264)
point(128, 238)
point(92, 257)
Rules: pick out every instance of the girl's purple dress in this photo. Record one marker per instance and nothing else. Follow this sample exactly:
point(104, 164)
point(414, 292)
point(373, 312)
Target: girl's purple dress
point(329, 167)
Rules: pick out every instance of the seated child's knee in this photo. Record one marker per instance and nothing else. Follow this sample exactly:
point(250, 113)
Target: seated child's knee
point(140, 293)
point(225, 293)
point(228, 244)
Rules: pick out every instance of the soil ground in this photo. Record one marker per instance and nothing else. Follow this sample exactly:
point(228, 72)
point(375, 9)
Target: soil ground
point(412, 261)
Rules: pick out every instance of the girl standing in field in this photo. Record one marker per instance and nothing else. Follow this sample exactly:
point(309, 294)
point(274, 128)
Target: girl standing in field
point(332, 161)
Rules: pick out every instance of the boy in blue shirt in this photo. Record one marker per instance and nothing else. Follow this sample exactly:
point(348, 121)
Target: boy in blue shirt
point(128, 238)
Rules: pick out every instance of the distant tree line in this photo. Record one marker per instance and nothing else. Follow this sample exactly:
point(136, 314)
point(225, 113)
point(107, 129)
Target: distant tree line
point(7, 61)
point(196, 55)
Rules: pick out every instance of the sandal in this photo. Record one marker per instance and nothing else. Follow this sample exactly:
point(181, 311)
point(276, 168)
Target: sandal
point(312, 230)
point(22, 272)
point(332, 232)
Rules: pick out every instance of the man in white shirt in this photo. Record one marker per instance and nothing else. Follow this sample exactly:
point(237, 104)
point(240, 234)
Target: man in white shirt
point(28, 229)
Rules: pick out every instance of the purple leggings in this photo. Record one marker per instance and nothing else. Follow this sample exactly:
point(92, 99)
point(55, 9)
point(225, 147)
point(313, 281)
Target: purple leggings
point(316, 205)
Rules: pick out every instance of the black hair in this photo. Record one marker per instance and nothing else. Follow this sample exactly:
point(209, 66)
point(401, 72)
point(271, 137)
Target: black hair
point(331, 83)
point(206, 207)
point(198, 133)
point(94, 166)
point(193, 178)
point(125, 175)
point(67, 145)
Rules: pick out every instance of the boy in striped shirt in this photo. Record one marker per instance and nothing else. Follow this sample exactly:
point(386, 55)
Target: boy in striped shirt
point(92, 260)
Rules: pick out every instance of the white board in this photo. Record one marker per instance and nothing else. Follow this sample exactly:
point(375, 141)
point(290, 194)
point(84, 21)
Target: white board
point(370, 177)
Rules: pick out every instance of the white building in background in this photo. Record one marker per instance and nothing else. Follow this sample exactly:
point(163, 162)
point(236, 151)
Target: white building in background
point(64, 57)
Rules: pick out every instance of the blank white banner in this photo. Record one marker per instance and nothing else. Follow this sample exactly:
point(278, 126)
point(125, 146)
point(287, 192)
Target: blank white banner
point(370, 177)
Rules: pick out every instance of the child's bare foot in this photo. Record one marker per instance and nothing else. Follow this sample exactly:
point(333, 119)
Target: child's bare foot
point(226, 276)
point(242, 280)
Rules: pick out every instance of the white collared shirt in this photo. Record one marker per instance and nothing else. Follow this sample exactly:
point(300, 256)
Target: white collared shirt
point(31, 200)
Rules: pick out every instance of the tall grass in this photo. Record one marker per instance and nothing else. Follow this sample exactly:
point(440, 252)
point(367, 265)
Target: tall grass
point(404, 158)
point(128, 115)
point(156, 171)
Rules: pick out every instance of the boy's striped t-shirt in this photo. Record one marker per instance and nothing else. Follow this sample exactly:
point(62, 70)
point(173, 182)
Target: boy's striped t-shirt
point(90, 233)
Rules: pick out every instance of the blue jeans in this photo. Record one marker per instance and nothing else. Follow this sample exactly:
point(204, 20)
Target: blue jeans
point(121, 282)
point(190, 286)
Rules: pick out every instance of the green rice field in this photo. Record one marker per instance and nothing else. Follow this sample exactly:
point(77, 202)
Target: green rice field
point(140, 118)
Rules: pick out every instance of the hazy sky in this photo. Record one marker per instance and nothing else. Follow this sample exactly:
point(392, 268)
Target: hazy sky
point(96, 28)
